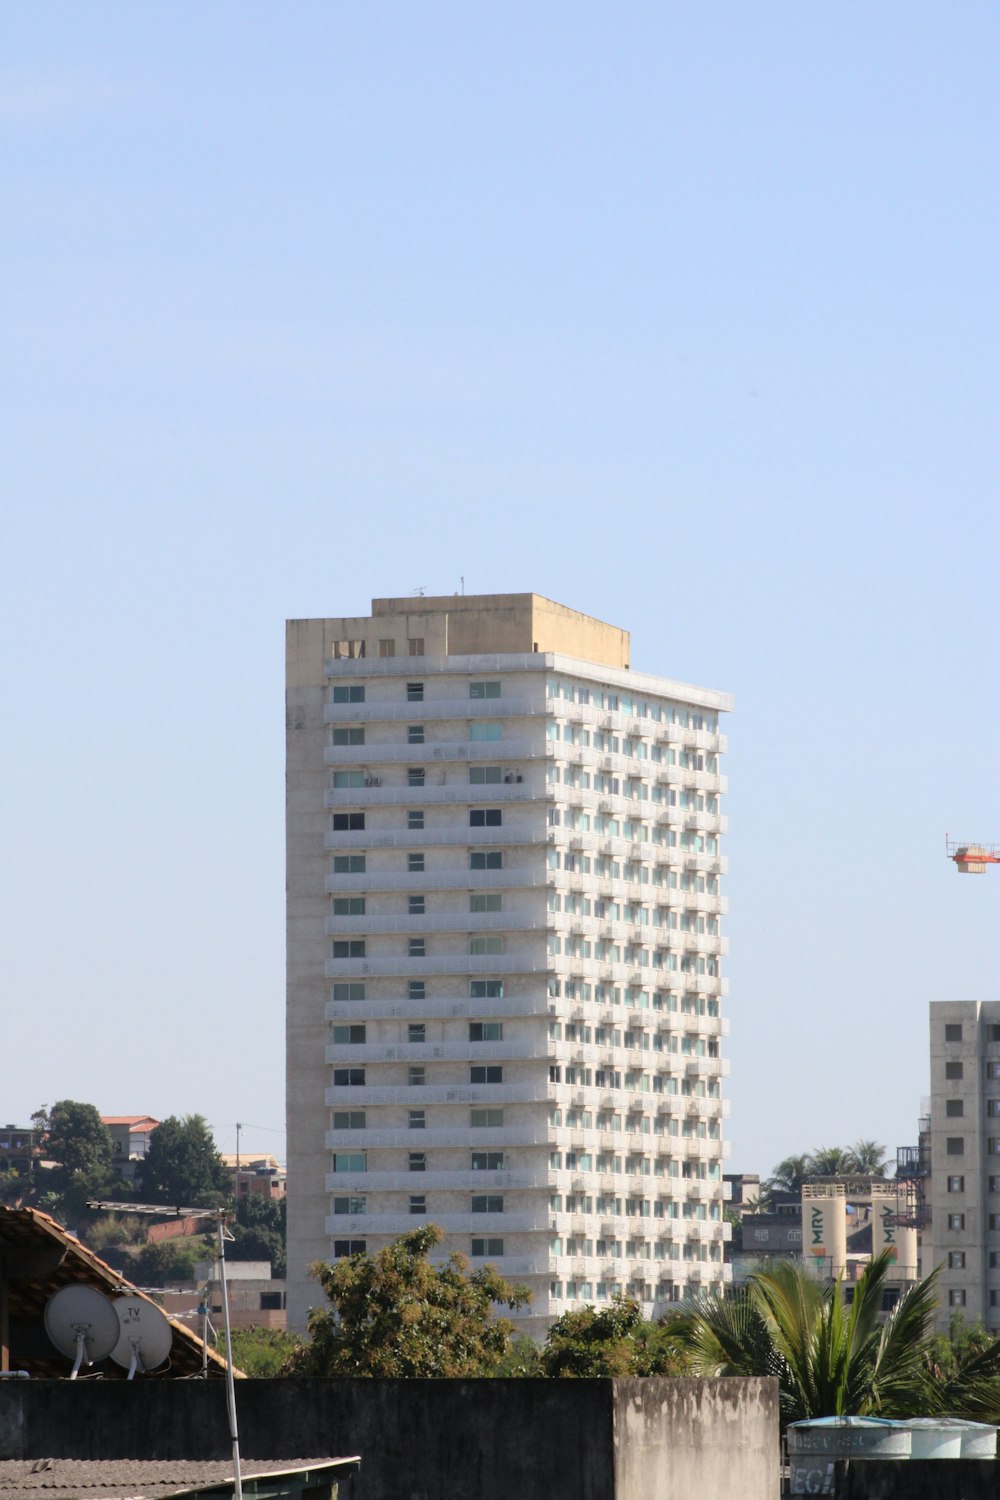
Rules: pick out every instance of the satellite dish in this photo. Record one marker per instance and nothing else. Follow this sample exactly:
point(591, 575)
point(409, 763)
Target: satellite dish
point(143, 1334)
point(82, 1324)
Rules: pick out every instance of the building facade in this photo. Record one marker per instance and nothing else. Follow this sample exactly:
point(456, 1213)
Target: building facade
point(505, 994)
point(963, 1188)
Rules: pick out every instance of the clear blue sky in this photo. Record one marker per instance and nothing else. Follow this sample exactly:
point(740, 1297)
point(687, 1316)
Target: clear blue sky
point(684, 315)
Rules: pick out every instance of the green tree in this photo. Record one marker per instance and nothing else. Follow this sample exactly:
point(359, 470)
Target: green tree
point(830, 1359)
point(830, 1161)
point(168, 1260)
point(182, 1167)
point(77, 1138)
point(261, 1353)
point(14, 1187)
point(868, 1159)
point(259, 1232)
point(789, 1175)
point(394, 1314)
point(615, 1340)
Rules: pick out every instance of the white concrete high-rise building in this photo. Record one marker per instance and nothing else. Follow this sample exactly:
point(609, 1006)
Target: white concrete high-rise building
point(504, 949)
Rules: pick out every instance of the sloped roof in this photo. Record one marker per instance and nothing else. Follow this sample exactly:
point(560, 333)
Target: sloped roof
point(37, 1257)
point(134, 1122)
point(159, 1479)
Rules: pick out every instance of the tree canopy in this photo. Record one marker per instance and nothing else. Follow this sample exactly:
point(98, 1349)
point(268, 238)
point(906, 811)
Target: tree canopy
point(259, 1232)
point(76, 1137)
point(182, 1166)
point(832, 1359)
point(395, 1314)
point(612, 1340)
point(864, 1159)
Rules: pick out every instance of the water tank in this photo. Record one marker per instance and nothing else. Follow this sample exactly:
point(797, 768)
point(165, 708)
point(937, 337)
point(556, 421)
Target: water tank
point(848, 1437)
point(933, 1437)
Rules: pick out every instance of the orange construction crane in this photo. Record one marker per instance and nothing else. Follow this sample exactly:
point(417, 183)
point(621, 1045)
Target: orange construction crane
point(970, 858)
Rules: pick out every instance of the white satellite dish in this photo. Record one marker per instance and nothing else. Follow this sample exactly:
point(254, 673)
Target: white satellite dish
point(144, 1335)
point(82, 1324)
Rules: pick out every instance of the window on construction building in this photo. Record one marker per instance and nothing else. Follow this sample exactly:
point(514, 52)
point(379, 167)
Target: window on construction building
point(415, 819)
point(415, 645)
point(956, 1260)
point(416, 906)
point(952, 1032)
point(956, 1297)
point(417, 947)
point(350, 1036)
point(956, 1221)
point(417, 1161)
point(415, 864)
point(418, 1203)
point(417, 989)
point(349, 948)
point(416, 1032)
point(956, 1184)
point(953, 1070)
point(414, 691)
point(955, 1145)
point(415, 734)
point(954, 1108)
point(386, 648)
point(415, 776)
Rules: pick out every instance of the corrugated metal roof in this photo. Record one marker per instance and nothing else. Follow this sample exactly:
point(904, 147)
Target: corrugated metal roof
point(37, 1257)
point(143, 1479)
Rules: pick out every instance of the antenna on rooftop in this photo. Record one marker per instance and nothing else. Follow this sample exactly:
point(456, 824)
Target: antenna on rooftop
point(144, 1335)
point(419, 591)
point(82, 1324)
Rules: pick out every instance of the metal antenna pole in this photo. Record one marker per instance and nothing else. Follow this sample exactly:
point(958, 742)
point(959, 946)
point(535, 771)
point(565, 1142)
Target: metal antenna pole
point(230, 1383)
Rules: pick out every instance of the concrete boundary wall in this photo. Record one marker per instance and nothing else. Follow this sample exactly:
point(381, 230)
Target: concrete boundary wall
point(432, 1439)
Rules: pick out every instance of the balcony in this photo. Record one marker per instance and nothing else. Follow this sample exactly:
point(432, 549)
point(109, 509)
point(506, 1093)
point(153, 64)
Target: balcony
point(353, 1055)
point(421, 1096)
point(459, 878)
point(427, 794)
point(403, 1223)
point(433, 922)
point(436, 752)
point(490, 964)
point(436, 1007)
point(423, 838)
point(462, 1180)
point(529, 1133)
point(433, 710)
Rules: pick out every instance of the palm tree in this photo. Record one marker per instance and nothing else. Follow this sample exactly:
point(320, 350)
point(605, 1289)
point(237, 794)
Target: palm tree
point(830, 1161)
point(788, 1175)
point(830, 1359)
point(868, 1159)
